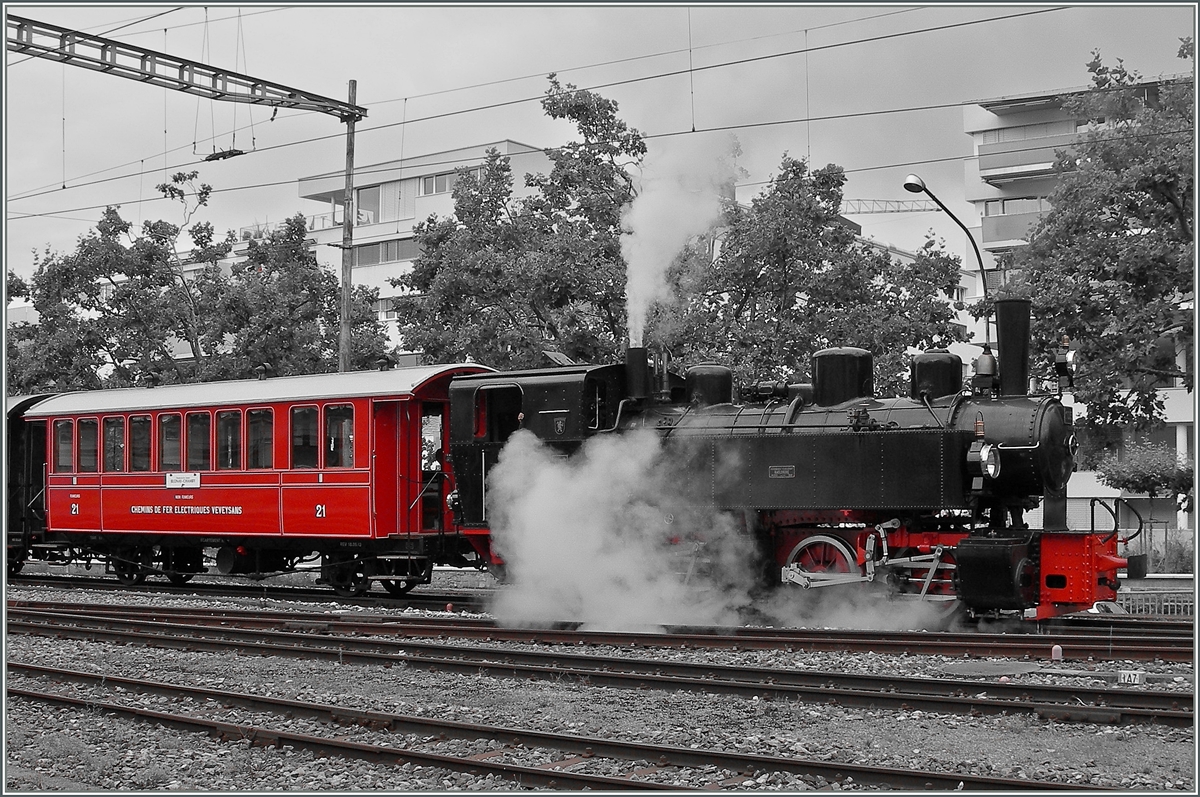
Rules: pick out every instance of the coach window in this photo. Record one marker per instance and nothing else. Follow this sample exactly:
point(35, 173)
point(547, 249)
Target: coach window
point(139, 442)
point(89, 445)
point(63, 432)
point(229, 440)
point(304, 437)
point(339, 436)
point(168, 442)
point(114, 444)
point(199, 441)
point(260, 431)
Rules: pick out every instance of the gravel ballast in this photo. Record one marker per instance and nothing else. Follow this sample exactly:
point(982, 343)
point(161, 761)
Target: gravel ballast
point(48, 748)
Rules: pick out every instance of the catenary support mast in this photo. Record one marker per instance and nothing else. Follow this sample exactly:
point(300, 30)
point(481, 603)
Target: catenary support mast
point(43, 40)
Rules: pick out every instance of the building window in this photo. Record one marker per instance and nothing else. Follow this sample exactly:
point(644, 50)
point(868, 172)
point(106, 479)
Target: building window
point(385, 309)
point(368, 205)
point(386, 252)
point(443, 183)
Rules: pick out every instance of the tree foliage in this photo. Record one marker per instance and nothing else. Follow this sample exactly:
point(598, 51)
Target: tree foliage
point(1111, 264)
point(125, 309)
point(792, 278)
point(1151, 469)
point(503, 279)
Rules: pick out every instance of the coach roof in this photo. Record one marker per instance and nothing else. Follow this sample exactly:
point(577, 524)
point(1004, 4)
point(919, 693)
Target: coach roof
point(356, 384)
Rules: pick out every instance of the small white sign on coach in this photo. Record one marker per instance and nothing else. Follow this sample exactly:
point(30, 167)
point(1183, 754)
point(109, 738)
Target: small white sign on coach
point(183, 479)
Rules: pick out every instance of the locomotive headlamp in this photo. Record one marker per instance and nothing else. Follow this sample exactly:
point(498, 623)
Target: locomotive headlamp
point(983, 459)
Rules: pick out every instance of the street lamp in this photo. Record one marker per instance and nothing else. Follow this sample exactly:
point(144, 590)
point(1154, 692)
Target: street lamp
point(916, 185)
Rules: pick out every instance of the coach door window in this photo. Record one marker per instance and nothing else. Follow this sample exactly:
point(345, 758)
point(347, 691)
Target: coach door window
point(304, 437)
point(168, 442)
point(229, 440)
point(114, 445)
point(260, 430)
point(139, 442)
point(199, 441)
point(63, 432)
point(89, 445)
point(339, 436)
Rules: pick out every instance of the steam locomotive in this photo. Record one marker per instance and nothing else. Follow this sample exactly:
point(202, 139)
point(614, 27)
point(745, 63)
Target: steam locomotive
point(344, 474)
point(928, 493)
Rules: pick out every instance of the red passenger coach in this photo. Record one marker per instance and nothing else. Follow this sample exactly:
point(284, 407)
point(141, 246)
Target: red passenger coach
point(273, 475)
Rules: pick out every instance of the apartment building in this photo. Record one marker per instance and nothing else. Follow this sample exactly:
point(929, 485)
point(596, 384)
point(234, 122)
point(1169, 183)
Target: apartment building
point(1008, 179)
point(390, 198)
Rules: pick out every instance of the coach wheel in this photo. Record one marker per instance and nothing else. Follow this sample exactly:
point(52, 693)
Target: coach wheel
point(179, 579)
point(127, 565)
point(349, 581)
point(398, 587)
point(15, 565)
point(821, 553)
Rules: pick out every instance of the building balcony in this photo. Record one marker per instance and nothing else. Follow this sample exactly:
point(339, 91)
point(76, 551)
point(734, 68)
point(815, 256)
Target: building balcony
point(1018, 160)
point(1007, 231)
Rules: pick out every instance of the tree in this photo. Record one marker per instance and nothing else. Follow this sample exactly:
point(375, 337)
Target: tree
point(792, 278)
point(502, 280)
point(115, 311)
point(1111, 264)
point(1151, 469)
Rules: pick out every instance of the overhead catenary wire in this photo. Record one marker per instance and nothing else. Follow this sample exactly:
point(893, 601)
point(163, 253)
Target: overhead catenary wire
point(594, 87)
point(894, 165)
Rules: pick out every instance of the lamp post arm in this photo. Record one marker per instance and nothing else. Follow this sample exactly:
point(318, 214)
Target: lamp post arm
point(971, 238)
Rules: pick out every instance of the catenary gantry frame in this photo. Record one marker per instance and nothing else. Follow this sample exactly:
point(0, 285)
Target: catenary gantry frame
point(75, 48)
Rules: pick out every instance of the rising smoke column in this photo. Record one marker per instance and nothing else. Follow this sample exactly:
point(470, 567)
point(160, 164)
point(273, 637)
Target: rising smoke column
point(679, 196)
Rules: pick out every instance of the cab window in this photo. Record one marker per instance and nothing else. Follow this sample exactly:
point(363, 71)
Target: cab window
point(199, 441)
point(89, 445)
point(64, 431)
point(114, 444)
point(339, 436)
point(229, 440)
point(304, 437)
point(169, 440)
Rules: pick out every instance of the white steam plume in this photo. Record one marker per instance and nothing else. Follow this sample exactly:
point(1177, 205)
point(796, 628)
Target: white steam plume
point(589, 539)
point(679, 196)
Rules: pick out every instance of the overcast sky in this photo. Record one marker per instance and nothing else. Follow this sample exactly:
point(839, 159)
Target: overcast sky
point(876, 89)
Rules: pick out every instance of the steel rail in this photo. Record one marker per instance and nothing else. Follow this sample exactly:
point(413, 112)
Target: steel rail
point(746, 764)
point(1079, 648)
point(322, 624)
point(475, 662)
point(464, 599)
point(322, 745)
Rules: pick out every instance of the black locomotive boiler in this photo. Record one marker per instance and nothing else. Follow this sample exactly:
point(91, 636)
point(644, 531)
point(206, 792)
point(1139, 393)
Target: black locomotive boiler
point(930, 492)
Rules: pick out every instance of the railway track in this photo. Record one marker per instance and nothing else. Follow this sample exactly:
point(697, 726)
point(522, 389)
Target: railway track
point(649, 766)
point(390, 641)
point(1104, 644)
point(422, 598)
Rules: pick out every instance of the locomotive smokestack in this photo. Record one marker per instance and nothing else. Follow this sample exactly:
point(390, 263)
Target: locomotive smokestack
point(1012, 340)
point(637, 372)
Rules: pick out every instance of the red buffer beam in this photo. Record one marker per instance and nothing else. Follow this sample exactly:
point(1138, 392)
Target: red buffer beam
point(42, 40)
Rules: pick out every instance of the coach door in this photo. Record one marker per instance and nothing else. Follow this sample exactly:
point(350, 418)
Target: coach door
point(386, 460)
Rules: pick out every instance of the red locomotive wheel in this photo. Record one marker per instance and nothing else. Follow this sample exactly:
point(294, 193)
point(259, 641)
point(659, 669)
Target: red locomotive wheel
point(821, 553)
